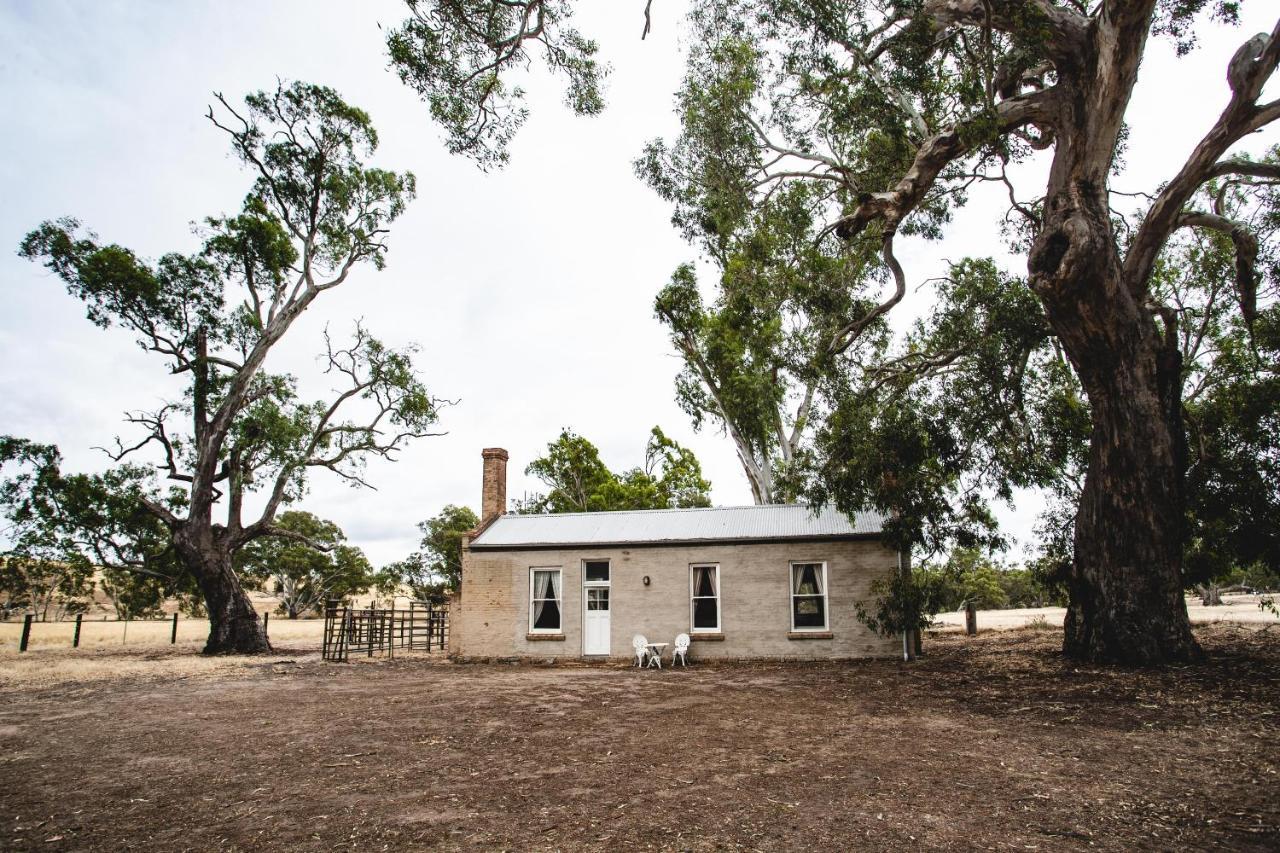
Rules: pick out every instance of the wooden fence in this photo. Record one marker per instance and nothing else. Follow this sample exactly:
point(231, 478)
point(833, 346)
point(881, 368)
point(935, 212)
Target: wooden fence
point(28, 621)
point(372, 630)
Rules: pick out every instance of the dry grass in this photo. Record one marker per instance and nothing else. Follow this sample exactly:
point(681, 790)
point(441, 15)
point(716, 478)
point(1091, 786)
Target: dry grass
point(1235, 609)
point(107, 652)
point(151, 633)
point(1039, 623)
point(95, 666)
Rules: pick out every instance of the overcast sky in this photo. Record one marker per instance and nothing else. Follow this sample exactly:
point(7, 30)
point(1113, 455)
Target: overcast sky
point(529, 290)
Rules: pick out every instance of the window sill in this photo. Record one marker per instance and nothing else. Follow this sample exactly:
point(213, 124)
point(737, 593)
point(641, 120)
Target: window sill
point(810, 635)
point(533, 638)
point(706, 637)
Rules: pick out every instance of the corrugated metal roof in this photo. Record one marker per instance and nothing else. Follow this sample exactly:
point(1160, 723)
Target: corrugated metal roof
point(715, 524)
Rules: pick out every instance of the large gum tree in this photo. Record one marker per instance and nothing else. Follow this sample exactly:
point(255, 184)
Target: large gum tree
point(967, 86)
point(895, 112)
point(314, 214)
point(897, 109)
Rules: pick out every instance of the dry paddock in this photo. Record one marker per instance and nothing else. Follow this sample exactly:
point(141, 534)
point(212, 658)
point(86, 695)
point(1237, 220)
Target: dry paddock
point(112, 634)
point(991, 742)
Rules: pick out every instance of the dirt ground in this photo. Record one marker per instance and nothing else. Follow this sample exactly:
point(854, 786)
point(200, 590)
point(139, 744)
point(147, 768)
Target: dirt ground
point(991, 742)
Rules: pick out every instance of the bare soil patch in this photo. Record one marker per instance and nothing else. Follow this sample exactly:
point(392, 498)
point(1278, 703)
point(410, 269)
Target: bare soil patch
point(992, 742)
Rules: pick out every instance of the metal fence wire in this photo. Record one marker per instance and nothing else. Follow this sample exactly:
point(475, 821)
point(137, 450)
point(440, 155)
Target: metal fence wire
point(373, 631)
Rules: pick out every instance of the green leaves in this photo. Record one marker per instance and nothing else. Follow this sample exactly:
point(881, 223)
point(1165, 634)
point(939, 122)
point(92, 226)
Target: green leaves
point(314, 212)
point(754, 357)
point(437, 566)
point(63, 526)
point(163, 304)
point(459, 55)
point(974, 402)
point(1232, 485)
point(579, 481)
point(308, 147)
point(305, 562)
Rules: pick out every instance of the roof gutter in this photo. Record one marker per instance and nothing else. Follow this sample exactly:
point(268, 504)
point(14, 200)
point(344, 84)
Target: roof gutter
point(675, 543)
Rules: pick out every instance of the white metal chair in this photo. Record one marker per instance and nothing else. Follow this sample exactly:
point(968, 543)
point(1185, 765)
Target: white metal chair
point(680, 650)
point(640, 644)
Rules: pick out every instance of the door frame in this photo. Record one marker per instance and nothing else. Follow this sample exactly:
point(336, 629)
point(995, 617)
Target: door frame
point(587, 585)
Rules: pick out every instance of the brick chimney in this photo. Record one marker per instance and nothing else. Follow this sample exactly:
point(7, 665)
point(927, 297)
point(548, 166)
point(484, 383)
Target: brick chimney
point(493, 496)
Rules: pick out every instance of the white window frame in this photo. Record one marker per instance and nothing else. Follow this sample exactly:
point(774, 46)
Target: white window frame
point(791, 596)
point(719, 593)
point(559, 600)
point(604, 560)
point(589, 585)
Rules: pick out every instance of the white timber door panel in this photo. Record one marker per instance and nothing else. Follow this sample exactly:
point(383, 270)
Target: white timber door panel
point(595, 623)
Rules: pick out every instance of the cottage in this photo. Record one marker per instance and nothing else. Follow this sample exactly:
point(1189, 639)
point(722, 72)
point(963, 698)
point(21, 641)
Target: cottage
point(743, 582)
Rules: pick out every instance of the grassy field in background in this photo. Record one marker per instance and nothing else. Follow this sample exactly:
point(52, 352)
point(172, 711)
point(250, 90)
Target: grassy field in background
point(97, 634)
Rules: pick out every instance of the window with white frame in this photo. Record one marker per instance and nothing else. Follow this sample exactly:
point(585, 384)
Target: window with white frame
point(544, 600)
point(704, 598)
point(595, 571)
point(808, 596)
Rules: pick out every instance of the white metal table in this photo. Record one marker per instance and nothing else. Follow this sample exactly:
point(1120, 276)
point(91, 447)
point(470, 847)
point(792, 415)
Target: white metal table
point(655, 649)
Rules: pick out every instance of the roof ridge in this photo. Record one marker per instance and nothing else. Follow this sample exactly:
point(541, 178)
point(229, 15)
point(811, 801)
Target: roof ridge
point(656, 510)
point(704, 524)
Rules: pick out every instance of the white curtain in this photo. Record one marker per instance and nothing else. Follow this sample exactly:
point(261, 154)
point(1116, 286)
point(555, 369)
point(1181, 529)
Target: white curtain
point(705, 598)
point(545, 593)
point(808, 579)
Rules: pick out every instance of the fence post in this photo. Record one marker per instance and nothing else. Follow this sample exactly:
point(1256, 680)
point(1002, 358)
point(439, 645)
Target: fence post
point(26, 633)
point(970, 618)
point(413, 615)
point(389, 621)
point(173, 635)
point(75, 639)
point(266, 617)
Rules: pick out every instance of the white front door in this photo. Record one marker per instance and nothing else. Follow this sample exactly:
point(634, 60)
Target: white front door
point(595, 621)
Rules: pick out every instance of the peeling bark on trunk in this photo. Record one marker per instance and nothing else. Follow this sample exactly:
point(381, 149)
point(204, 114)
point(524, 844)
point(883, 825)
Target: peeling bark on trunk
point(234, 626)
point(1126, 579)
point(1126, 603)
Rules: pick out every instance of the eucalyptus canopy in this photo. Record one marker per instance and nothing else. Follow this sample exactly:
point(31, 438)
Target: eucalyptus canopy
point(892, 112)
point(436, 567)
point(578, 480)
point(754, 358)
point(305, 572)
point(315, 212)
point(460, 56)
point(896, 112)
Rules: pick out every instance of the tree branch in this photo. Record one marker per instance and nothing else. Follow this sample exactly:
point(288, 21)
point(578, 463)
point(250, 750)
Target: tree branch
point(283, 533)
point(1246, 246)
point(1067, 29)
point(1240, 117)
point(935, 154)
point(1248, 168)
point(849, 333)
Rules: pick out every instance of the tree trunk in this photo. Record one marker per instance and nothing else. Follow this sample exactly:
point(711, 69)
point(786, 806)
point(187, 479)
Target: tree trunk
point(1125, 583)
point(234, 626)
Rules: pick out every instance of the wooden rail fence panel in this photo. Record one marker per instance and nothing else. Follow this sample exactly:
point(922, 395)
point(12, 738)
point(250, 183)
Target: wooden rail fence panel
point(380, 631)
